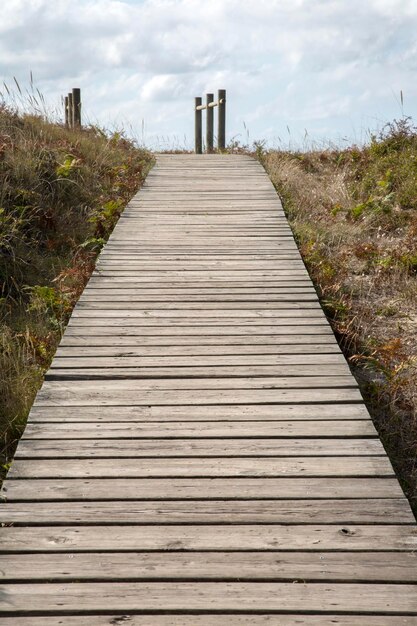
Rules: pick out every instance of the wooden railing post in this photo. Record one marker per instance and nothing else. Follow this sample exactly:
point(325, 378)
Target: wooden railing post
point(221, 135)
point(70, 110)
point(66, 105)
point(209, 122)
point(198, 127)
point(76, 107)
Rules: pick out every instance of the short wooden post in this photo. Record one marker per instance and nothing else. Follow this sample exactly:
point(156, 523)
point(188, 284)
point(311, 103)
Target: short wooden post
point(209, 122)
point(70, 109)
point(221, 135)
point(76, 107)
point(198, 127)
point(66, 105)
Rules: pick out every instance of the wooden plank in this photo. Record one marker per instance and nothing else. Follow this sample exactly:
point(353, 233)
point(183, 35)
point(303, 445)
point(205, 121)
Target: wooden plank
point(192, 276)
point(283, 350)
point(385, 599)
point(276, 316)
point(181, 332)
point(178, 290)
point(214, 620)
point(105, 284)
point(279, 383)
point(302, 360)
point(72, 338)
point(382, 567)
point(243, 447)
point(349, 511)
point(92, 489)
point(180, 302)
point(317, 324)
point(59, 371)
point(138, 255)
point(60, 393)
point(238, 412)
point(207, 467)
point(223, 537)
point(199, 429)
point(124, 369)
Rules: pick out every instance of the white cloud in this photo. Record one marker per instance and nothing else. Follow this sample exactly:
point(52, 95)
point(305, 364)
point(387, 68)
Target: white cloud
point(311, 63)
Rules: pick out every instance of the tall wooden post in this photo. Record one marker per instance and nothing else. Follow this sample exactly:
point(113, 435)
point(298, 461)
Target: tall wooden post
point(76, 110)
point(198, 127)
point(221, 135)
point(66, 105)
point(209, 122)
point(70, 110)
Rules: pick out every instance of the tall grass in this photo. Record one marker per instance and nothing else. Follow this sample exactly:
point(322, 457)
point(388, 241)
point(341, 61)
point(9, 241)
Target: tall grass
point(354, 215)
point(62, 192)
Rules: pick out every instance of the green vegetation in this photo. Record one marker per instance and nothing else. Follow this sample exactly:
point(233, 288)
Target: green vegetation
point(354, 215)
point(62, 192)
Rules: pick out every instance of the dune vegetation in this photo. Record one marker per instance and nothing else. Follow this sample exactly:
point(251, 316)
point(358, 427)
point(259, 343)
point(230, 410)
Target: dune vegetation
point(354, 216)
point(62, 192)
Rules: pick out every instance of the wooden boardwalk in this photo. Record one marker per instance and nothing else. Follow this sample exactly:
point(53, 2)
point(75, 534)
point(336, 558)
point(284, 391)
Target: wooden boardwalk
point(199, 454)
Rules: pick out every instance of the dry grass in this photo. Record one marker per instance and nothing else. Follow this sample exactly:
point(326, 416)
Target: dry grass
point(354, 214)
point(62, 192)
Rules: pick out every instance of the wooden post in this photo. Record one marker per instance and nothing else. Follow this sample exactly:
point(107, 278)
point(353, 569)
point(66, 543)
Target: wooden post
point(198, 127)
point(70, 110)
point(209, 122)
point(66, 105)
point(221, 135)
point(76, 107)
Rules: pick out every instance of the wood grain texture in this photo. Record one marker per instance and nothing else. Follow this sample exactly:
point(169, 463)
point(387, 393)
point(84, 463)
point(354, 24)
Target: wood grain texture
point(233, 566)
point(200, 430)
point(219, 466)
point(165, 448)
point(278, 598)
point(121, 619)
point(115, 489)
point(307, 511)
point(200, 454)
point(209, 537)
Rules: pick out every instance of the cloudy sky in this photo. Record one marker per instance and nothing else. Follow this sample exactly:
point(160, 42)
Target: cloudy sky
point(325, 69)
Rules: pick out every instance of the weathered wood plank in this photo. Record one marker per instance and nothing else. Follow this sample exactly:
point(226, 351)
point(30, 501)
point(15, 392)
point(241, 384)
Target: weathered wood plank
point(219, 466)
point(80, 395)
point(201, 331)
point(383, 567)
point(279, 383)
point(84, 368)
point(199, 488)
point(254, 447)
point(237, 412)
point(349, 511)
point(302, 360)
point(74, 337)
point(388, 599)
point(59, 373)
point(199, 429)
point(209, 537)
point(214, 620)
point(284, 351)
point(287, 315)
point(202, 302)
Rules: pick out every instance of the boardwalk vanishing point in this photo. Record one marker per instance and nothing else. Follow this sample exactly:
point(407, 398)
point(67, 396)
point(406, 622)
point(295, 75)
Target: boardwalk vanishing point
point(200, 454)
